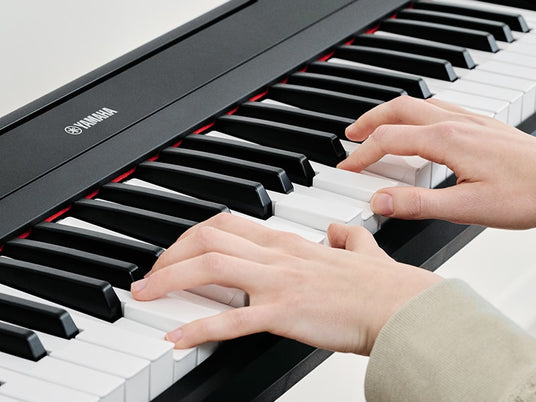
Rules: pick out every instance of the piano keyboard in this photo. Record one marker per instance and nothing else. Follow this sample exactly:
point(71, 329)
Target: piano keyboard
point(267, 151)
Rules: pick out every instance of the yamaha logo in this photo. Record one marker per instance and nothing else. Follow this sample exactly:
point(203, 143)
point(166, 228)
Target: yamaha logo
point(89, 121)
point(73, 130)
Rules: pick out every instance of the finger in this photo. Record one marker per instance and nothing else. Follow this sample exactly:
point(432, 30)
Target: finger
point(227, 325)
point(210, 268)
point(428, 142)
point(401, 110)
point(353, 238)
point(211, 239)
point(461, 203)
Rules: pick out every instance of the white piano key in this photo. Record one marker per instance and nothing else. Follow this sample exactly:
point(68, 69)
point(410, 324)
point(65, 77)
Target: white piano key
point(370, 221)
point(498, 107)
point(515, 98)
point(351, 184)
point(521, 58)
point(526, 86)
point(522, 48)
point(107, 387)
point(166, 313)
point(412, 170)
point(95, 331)
point(312, 211)
point(509, 70)
point(23, 387)
point(184, 360)
point(133, 370)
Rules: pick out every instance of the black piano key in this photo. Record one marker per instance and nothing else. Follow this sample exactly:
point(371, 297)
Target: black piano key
point(271, 177)
point(144, 255)
point(321, 100)
point(163, 202)
point(296, 117)
point(470, 38)
point(414, 86)
point(153, 227)
point(499, 30)
point(296, 165)
point(457, 55)
point(346, 85)
point(41, 317)
point(400, 61)
point(118, 273)
point(87, 295)
point(242, 195)
point(316, 145)
point(20, 342)
point(526, 4)
point(516, 22)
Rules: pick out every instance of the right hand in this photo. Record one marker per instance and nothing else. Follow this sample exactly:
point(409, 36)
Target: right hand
point(495, 163)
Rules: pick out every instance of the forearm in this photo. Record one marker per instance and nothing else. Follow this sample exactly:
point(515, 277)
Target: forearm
point(450, 344)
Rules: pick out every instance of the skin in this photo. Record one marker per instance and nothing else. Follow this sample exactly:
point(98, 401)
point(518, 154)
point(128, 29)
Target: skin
point(339, 297)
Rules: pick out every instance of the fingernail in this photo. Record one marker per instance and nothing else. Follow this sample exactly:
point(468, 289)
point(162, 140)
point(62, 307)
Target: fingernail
point(174, 336)
point(138, 286)
point(382, 203)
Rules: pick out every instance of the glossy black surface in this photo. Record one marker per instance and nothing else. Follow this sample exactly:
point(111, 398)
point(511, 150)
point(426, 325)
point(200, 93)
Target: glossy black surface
point(20, 342)
point(38, 316)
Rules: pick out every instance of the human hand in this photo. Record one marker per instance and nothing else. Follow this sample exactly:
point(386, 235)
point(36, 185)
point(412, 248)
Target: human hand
point(335, 298)
point(495, 163)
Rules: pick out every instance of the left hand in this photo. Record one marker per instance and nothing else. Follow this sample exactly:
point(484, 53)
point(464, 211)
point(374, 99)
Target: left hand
point(336, 298)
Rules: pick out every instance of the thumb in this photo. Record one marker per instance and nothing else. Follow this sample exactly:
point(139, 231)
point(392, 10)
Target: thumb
point(449, 203)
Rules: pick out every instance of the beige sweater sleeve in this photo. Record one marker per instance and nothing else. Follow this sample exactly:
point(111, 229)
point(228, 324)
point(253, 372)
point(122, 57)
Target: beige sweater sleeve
point(449, 344)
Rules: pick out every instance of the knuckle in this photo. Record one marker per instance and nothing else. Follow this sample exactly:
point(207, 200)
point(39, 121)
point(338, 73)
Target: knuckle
point(414, 206)
point(214, 263)
point(205, 237)
point(221, 219)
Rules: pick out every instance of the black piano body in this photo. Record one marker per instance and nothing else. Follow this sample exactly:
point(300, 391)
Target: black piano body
point(173, 86)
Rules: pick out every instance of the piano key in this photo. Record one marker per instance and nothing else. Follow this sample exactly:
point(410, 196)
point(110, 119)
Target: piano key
point(498, 107)
point(243, 195)
point(166, 313)
point(162, 202)
point(95, 331)
point(116, 272)
point(509, 69)
point(514, 21)
point(295, 165)
point(322, 100)
point(184, 360)
point(20, 342)
point(500, 8)
point(515, 98)
point(456, 55)
point(155, 228)
point(503, 81)
point(442, 33)
point(133, 370)
point(350, 184)
point(345, 85)
point(414, 86)
point(314, 212)
point(406, 62)
point(412, 170)
point(271, 177)
point(92, 296)
point(369, 220)
point(499, 30)
point(297, 117)
point(141, 254)
point(23, 387)
point(520, 47)
point(316, 145)
point(41, 317)
point(107, 387)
